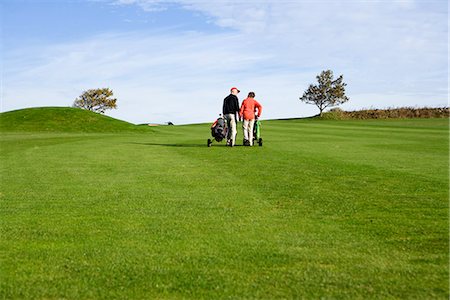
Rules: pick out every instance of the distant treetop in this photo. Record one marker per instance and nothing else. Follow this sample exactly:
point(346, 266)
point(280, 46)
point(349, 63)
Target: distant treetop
point(97, 100)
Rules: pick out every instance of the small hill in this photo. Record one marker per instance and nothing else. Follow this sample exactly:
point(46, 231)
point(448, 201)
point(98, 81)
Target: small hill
point(62, 119)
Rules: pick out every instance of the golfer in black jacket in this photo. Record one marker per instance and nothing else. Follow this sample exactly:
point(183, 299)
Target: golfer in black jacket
point(231, 113)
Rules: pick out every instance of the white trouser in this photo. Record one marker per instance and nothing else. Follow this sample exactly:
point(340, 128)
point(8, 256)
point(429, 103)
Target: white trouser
point(231, 124)
point(248, 130)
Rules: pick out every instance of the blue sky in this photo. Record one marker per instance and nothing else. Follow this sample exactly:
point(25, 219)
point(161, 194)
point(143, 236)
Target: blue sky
point(175, 60)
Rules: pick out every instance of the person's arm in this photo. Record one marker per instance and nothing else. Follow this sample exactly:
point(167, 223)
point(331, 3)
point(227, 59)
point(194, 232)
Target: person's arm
point(259, 107)
point(236, 105)
point(223, 106)
point(241, 112)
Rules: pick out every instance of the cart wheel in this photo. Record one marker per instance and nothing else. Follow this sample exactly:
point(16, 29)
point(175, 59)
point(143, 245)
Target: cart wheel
point(260, 142)
point(209, 142)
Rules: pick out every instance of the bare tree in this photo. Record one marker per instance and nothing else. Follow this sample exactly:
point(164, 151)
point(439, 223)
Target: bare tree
point(327, 92)
point(97, 100)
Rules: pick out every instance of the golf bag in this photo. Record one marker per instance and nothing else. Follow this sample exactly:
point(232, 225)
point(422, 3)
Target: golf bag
point(257, 132)
point(219, 130)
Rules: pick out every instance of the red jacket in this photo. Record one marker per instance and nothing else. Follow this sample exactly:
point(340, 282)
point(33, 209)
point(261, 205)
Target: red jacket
point(249, 107)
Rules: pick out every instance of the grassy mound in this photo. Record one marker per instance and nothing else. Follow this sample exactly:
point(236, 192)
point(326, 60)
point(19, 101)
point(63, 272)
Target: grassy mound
point(62, 119)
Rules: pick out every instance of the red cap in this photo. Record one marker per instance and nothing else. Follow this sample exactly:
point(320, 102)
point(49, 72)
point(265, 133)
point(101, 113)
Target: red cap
point(235, 88)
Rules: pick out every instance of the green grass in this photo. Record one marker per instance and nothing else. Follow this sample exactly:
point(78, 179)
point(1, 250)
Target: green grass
point(62, 119)
point(325, 209)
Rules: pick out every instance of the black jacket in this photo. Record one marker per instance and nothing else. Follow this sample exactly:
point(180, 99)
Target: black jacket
point(230, 104)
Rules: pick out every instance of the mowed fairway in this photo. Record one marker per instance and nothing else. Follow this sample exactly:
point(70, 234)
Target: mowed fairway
point(325, 209)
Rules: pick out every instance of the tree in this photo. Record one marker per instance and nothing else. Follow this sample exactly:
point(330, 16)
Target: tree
point(327, 92)
point(97, 100)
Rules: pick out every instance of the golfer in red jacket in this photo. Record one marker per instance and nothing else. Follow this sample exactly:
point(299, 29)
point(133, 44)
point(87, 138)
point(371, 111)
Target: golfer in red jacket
point(249, 108)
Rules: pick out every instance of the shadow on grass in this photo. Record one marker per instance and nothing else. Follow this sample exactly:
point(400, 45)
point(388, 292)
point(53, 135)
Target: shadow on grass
point(171, 145)
point(182, 145)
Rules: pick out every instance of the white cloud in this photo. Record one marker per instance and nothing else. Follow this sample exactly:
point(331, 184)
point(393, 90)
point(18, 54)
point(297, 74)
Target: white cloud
point(156, 77)
point(147, 5)
point(402, 41)
point(391, 54)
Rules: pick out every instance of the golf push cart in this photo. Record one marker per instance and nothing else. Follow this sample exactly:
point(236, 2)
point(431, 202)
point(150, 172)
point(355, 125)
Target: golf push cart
point(219, 131)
